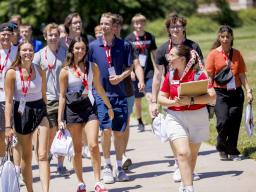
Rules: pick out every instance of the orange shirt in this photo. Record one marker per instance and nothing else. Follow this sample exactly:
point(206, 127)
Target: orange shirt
point(215, 63)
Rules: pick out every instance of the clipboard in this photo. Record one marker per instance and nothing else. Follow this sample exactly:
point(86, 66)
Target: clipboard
point(193, 88)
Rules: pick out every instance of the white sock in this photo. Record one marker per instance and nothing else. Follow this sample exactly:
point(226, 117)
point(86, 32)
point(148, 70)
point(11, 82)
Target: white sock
point(118, 163)
point(107, 161)
point(17, 169)
point(190, 188)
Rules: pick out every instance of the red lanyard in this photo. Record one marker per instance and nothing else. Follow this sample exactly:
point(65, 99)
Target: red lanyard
point(140, 44)
point(5, 61)
point(107, 51)
point(24, 88)
point(170, 46)
point(46, 59)
point(84, 78)
point(224, 55)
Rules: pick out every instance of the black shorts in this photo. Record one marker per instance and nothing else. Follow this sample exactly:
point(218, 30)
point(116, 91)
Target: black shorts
point(81, 112)
point(34, 113)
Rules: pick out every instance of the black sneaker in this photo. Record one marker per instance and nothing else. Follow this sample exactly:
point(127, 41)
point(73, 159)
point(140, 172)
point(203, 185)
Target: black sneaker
point(50, 157)
point(141, 127)
point(223, 156)
point(63, 172)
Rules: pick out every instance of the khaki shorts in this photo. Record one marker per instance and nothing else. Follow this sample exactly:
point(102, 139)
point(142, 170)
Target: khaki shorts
point(192, 124)
point(52, 113)
point(2, 118)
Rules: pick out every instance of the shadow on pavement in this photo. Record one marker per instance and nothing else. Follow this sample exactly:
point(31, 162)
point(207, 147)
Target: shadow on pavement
point(125, 189)
point(145, 163)
point(207, 152)
point(149, 174)
point(219, 173)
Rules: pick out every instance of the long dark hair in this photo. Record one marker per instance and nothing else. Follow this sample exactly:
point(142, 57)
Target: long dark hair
point(70, 55)
point(17, 60)
point(222, 29)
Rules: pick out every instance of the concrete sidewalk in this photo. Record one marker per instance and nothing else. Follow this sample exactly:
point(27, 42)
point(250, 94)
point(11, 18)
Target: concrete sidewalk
point(152, 170)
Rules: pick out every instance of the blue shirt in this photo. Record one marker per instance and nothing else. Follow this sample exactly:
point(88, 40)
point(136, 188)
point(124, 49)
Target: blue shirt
point(122, 58)
point(37, 45)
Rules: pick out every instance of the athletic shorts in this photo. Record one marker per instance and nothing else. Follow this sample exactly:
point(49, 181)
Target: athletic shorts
point(191, 124)
point(148, 88)
point(31, 118)
point(120, 108)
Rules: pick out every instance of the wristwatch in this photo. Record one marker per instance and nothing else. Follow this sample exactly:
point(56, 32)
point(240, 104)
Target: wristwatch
point(192, 101)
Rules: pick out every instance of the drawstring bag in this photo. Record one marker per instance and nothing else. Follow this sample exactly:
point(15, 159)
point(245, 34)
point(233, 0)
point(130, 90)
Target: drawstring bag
point(8, 177)
point(248, 120)
point(62, 144)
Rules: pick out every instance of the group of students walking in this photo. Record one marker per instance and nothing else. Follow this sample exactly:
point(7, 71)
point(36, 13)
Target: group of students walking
point(84, 84)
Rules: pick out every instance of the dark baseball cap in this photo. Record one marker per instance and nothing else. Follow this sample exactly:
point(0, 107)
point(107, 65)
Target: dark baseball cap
point(6, 27)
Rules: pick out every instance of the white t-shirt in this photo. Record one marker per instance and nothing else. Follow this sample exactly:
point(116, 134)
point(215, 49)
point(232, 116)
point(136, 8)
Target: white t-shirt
point(46, 57)
point(7, 64)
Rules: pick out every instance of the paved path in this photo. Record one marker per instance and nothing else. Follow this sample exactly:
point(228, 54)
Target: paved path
point(152, 169)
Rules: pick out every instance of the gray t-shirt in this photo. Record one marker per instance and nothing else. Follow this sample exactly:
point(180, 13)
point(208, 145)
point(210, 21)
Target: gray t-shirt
point(46, 58)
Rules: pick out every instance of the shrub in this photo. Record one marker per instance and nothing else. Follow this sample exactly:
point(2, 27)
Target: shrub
point(248, 16)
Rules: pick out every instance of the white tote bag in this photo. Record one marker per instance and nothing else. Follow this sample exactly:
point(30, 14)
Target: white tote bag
point(248, 120)
point(8, 177)
point(158, 127)
point(62, 144)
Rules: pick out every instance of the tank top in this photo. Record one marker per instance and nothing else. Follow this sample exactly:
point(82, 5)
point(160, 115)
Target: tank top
point(75, 83)
point(35, 87)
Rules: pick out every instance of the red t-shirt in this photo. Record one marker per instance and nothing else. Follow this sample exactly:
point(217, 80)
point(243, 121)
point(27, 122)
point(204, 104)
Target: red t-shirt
point(172, 89)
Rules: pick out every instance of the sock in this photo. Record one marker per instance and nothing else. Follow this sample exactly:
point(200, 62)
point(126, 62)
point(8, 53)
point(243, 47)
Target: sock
point(140, 121)
point(60, 164)
point(17, 169)
point(107, 161)
point(190, 188)
point(118, 163)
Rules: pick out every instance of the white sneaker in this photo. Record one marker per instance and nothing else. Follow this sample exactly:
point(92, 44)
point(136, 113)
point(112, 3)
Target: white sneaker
point(108, 177)
point(176, 175)
point(196, 177)
point(86, 153)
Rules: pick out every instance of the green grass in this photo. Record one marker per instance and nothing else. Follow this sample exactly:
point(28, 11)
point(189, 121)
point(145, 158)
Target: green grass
point(245, 41)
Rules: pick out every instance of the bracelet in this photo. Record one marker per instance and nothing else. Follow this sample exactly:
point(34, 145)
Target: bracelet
point(8, 127)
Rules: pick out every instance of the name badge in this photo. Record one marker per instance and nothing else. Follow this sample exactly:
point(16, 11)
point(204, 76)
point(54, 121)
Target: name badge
point(1, 81)
point(231, 84)
point(22, 105)
point(175, 82)
point(142, 59)
point(111, 71)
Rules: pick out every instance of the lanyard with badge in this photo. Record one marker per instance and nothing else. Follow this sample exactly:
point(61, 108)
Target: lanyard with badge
point(140, 45)
point(111, 69)
point(2, 66)
point(83, 78)
point(24, 90)
point(231, 85)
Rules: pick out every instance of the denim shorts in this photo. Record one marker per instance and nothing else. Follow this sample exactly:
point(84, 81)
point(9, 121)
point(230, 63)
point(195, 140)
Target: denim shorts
point(130, 103)
point(120, 108)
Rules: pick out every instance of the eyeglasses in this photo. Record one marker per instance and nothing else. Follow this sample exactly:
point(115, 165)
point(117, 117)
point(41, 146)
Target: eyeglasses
point(176, 26)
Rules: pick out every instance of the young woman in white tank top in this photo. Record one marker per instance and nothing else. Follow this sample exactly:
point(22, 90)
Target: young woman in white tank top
point(26, 84)
point(76, 77)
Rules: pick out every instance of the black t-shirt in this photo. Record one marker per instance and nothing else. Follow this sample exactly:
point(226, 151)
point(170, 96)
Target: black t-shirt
point(164, 49)
point(148, 42)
